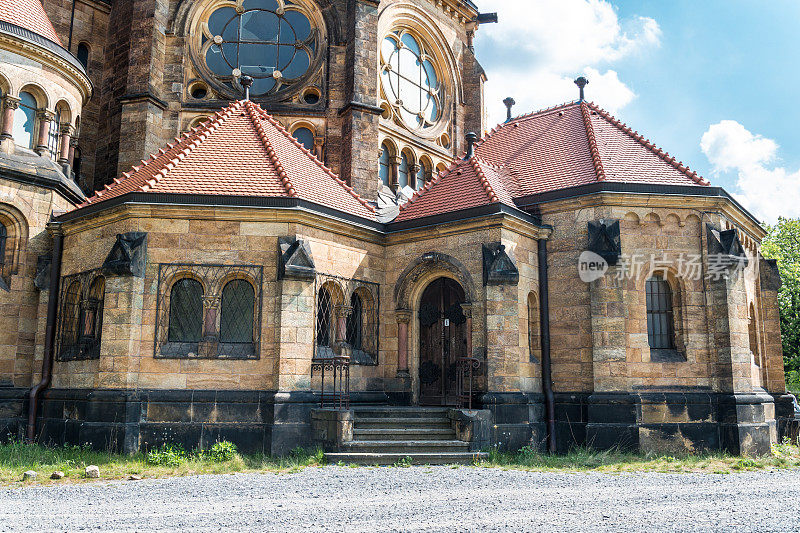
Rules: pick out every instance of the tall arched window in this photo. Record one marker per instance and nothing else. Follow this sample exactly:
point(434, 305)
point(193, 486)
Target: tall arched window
point(660, 320)
point(402, 171)
point(355, 323)
point(70, 321)
point(91, 322)
point(52, 135)
point(3, 239)
point(324, 318)
point(186, 311)
point(306, 137)
point(237, 313)
point(423, 174)
point(385, 171)
point(83, 54)
point(25, 121)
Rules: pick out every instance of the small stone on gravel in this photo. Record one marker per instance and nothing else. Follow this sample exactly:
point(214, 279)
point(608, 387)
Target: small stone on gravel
point(92, 472)
point(30, 474)
point(134, 477)
point(57, 475)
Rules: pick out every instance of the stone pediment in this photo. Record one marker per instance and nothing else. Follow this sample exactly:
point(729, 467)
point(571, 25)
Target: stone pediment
point(128, 255)
point(604, 240)
point(295, 259)
point(498, 266)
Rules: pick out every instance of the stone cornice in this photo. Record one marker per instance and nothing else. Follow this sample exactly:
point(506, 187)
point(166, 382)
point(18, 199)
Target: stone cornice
point(143, 97)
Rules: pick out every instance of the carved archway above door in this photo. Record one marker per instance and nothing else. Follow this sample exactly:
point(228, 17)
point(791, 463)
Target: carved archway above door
point(426, 264)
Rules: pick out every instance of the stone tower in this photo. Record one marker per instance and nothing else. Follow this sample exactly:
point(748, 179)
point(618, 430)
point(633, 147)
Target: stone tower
point(374, 88)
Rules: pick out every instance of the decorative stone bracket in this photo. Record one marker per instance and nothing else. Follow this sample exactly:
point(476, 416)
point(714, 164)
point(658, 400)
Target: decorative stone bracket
point(128, 256)
point(295, 259)
point(604, 240)
point(498, 266)
point(726, 246)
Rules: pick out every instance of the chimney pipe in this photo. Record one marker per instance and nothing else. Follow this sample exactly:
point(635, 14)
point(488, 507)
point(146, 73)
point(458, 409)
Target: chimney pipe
point(509, 102)
point(246, 82)
point(471, 138)
point(581, 82)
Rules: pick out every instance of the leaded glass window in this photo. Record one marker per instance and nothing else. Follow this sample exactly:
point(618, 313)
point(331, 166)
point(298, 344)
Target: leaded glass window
point(355, 323)
point(186, 311)
point(273, 41)
point(410, 80)
point(238, 311)
point(324, 318)
point(91, 322)
point(660, 326)
point(25, 121)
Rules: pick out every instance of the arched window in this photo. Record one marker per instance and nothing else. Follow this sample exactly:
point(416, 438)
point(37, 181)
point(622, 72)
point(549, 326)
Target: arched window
point(186, 311)
point(3, 239)
point(275, 44)
point(25, 121)
point(76, 162)
point(534, 340)
point(660, 320)
point(402, 171)
point(91, 322)
point(237, 313)
point(70, 321)
point(752, 330)
point(410, 81)
point(52, 135)
point(385, 170)
point(83, 54)
point(423, 174)
point(306, 137)
point(324, 318)
point(355, 323)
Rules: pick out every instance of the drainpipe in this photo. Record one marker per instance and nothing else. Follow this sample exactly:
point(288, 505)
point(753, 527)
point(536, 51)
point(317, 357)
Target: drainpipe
point(544, 321)
point(50, 330)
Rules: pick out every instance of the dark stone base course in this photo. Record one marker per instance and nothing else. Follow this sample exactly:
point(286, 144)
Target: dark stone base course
point(518, 419)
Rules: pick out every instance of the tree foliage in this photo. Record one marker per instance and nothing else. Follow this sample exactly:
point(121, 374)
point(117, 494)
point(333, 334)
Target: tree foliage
point(783, 244)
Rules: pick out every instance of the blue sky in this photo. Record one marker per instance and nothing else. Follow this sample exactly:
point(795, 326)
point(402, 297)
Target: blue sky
point(709, 81)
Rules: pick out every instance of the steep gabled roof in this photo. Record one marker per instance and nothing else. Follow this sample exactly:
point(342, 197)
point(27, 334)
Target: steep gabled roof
point(240, 151)
point(29, 14)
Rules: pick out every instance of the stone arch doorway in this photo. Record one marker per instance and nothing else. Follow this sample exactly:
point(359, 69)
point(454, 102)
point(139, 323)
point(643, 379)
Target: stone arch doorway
point(443, 339)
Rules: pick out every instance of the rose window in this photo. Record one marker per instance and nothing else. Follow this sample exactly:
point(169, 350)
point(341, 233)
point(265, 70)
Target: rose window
point(410, 80)
point(273, 41)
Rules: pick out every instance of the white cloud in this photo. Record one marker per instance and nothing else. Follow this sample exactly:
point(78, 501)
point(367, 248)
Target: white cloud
point(767, 190)
point(540, 46)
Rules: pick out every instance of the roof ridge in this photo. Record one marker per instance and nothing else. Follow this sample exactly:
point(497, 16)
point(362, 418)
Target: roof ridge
point(524, 117)
point(188, 143)
point(273, 156)
point(314, 158)
point(649, 145)
point(595, 153)
point(487, 187)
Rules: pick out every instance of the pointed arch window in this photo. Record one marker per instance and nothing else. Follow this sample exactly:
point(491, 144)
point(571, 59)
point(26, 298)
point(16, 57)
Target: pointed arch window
point(660, 316)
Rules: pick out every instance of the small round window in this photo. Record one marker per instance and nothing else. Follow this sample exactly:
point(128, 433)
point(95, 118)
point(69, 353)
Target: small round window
point(273, 41)
point(410, 80)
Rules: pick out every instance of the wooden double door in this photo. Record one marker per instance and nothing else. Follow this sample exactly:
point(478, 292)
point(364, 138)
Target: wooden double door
point(443, 339)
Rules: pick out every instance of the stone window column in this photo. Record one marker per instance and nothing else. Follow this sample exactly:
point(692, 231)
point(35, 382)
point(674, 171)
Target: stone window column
point(413, 168)
point(341, 312)
point(394, 163)
point(73, 143)
point(319, 142)
point(45, 118)
point(403, 319)
point(10, 105)
point(65, 152)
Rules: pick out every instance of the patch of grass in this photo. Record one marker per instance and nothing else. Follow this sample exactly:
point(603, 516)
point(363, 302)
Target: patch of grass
point(784, 455)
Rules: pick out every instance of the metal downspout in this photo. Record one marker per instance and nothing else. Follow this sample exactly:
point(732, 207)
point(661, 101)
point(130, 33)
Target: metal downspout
point(50, 330)
point(544, 321)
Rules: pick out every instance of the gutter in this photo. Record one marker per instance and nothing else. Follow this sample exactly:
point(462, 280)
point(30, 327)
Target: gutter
point(50, 330)
point(544, 325)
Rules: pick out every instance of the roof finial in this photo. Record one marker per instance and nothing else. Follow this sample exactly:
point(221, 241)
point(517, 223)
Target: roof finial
point(509, 102)
point(471, 138)
point(246, 82)
point(581, 82)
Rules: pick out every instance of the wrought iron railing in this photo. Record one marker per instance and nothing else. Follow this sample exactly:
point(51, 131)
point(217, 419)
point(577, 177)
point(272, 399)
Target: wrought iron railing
point(338, 396)
point(465, 379)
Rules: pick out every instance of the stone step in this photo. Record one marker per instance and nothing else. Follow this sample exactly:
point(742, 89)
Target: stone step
point(400, 422)
point(400, 412)
point(421, 433)
point(448, 458)
point(405, 446)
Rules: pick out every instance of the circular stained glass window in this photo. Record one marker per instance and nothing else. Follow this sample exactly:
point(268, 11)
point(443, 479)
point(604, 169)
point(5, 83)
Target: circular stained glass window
point(273, 41)
point(410, 80)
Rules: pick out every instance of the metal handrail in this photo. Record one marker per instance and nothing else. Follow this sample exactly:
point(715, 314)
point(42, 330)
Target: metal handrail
point(339, 366)
point(466, 373)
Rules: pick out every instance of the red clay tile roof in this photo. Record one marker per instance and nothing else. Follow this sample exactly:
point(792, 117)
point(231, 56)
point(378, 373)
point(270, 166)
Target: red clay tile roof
point(29, 14)
point(240, 151)
point(564, 146)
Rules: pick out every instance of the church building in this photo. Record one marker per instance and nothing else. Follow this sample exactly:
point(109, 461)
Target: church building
point(286, 223)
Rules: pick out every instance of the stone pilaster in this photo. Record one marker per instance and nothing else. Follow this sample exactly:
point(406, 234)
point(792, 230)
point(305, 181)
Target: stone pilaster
point(10, 105)
point(295, 335)
point(120, 343)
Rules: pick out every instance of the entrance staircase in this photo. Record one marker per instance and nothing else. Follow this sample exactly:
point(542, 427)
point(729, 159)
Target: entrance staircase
point(399, 435)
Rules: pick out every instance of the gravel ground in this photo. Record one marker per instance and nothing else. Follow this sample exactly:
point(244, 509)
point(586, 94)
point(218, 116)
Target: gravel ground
point(414, 499)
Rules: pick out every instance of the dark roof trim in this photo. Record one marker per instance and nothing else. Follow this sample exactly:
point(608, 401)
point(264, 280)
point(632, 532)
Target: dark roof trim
point(295, 203)
point(464, 214)
point(527, 202)
point(43, 42)
point(70, 191)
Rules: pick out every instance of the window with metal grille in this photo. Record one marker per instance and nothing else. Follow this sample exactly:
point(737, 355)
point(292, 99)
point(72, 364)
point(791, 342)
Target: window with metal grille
point(324, 337)
point(81, 318)
point(208, 311)
point(660, 325)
